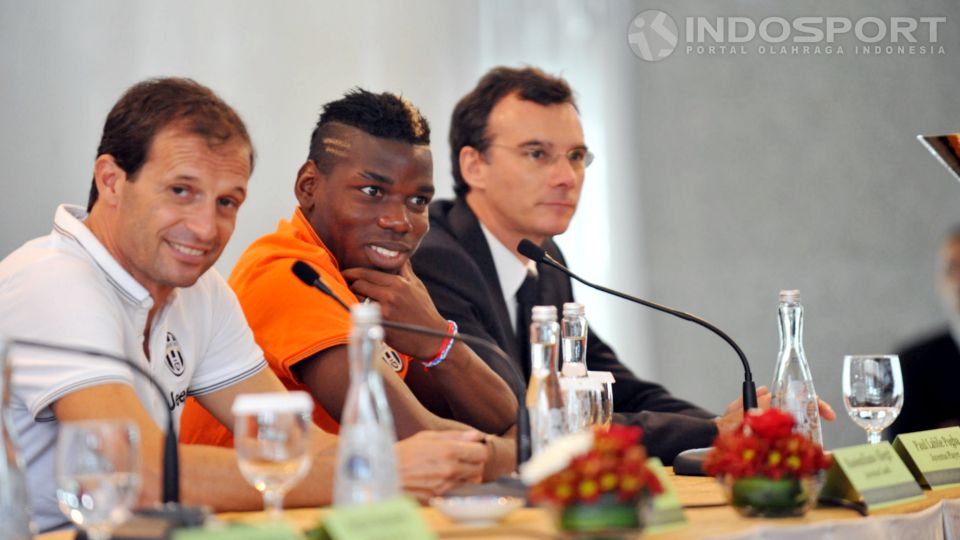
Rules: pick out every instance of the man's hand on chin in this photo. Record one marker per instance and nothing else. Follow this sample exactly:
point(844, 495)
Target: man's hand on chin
point(403, 298)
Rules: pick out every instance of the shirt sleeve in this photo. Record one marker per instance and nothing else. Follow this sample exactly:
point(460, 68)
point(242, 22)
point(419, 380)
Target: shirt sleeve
point(292, 322)
point(232, 354)
point(41, 305)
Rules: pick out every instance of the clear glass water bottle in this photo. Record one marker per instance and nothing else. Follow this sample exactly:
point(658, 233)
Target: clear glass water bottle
point(580, 393)
point(544, 398)
point(14, 503)
point(792, 383)
point(366, 462)
point(573, 332)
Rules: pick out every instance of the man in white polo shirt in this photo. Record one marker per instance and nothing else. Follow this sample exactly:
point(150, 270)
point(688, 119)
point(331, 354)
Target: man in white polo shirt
point(131, 279)
point(132, 276)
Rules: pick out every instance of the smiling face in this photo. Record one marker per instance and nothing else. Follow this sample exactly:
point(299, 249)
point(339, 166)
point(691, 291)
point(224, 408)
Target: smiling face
point(516, 189)
point(370, 208)
point(169, 224)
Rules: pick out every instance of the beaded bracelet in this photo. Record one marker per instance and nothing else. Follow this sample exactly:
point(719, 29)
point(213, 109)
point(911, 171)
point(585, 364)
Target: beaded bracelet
point(445, 347)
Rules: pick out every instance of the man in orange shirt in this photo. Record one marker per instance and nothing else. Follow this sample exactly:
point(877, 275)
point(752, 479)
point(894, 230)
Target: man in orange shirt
point(363, 195)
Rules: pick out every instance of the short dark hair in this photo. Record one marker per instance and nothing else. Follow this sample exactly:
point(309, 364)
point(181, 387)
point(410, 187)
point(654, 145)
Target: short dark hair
point(152, 105)
point(384, 115)
point(468, 125)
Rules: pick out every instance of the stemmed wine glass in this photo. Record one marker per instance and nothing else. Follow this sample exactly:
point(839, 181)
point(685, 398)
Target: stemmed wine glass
point(872, 391)
point(98, 473)
point(271, 438)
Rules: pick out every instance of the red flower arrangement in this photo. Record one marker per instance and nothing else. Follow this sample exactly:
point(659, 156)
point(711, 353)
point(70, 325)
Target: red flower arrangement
point(614, 463)
point(764, 445)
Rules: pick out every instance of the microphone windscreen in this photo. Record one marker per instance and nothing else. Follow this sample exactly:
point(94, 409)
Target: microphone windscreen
point(305, 273)
point(530, 250)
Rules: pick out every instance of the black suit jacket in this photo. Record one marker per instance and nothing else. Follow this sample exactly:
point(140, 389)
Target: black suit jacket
point(455, 264)
point(930, 371)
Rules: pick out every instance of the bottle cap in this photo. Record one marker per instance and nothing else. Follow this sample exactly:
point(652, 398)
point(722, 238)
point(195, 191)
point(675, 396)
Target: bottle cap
point(365, 313)
point(572, 309)
point(790, 296)
point(544, 314)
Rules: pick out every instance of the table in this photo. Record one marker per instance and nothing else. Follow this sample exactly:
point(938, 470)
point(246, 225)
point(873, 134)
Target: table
point(928, 514)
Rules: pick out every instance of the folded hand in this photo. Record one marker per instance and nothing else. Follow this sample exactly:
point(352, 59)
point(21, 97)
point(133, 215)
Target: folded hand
point(432, 462)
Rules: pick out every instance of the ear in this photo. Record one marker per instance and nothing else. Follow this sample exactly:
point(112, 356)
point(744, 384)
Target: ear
point(472, 167)
point(308, 181)
point(110, 179)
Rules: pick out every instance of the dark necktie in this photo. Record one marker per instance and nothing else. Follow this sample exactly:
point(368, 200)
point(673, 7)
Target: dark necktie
point(528, 295)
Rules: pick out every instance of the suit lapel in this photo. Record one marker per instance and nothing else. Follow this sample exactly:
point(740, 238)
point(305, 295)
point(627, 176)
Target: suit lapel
point(466, 228)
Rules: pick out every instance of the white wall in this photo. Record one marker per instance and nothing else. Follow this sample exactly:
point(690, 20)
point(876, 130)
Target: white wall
point(762, 173)
point(719, 180)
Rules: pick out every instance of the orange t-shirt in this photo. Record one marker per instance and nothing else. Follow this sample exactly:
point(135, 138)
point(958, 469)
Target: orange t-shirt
point(290, 321)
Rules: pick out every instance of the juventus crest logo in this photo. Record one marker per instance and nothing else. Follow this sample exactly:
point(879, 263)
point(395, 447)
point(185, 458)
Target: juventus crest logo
point(392, 359)
point(174, 355)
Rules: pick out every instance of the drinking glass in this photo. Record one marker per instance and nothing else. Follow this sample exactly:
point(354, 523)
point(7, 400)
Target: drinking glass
point(603, 397)
point(98, 473)
point(604, 404)
point(581, 402)
point(872, 391)
point(271, 438)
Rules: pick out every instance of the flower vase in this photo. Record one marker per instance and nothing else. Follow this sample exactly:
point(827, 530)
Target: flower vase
point(768, 497)
point(605, 518)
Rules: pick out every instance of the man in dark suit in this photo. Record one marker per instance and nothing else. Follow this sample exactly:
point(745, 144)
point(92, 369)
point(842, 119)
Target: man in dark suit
point(931, 367)
point(519, 157)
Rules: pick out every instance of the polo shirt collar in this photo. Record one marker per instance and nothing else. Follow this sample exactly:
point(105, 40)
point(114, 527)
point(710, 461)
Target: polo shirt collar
point(68, 221)
point(302, 225)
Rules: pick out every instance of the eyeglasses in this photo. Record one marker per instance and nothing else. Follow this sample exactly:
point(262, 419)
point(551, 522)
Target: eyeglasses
point(540, 157)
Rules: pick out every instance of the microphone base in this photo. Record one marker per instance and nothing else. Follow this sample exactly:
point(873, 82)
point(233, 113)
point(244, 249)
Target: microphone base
point(690, 462)
point(158, 523)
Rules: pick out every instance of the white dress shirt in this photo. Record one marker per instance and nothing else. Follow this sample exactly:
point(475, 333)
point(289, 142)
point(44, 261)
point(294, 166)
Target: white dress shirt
point(511, 271)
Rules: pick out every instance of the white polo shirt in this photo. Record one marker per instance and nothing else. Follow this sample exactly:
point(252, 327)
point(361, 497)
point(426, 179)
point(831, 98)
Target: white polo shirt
point(67, 289)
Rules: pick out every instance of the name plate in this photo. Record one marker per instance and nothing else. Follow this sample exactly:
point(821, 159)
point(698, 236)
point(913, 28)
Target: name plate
point(273, 531)
point(394, 519)
point(932, 456)
point(872, 474)
point(667, 512)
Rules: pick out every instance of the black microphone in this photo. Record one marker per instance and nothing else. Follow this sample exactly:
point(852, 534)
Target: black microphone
point(311, 278)
point(538, 254)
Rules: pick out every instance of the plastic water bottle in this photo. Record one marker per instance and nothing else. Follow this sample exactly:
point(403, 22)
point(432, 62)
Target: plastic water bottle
point(793, 389)
point(366, 462)
point(573, 332)
point(544, 398)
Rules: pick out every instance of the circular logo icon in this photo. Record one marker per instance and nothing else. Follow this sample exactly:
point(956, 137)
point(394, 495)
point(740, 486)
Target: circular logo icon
point(652, 35)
